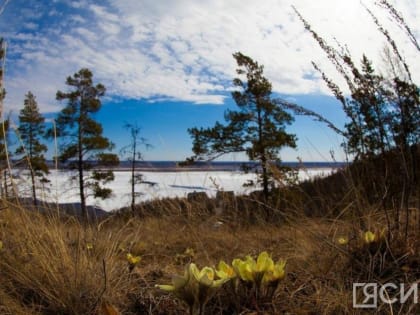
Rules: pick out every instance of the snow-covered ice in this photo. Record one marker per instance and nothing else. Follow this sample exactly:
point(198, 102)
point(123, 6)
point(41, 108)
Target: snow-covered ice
point(157, 185)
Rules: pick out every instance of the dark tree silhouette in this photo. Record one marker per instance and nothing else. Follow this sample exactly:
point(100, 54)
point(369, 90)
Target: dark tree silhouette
point(31, 129)
point(84, 147)
point(257, 127)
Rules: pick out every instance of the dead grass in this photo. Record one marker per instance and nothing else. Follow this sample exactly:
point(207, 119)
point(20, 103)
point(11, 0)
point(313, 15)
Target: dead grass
point(56, 265)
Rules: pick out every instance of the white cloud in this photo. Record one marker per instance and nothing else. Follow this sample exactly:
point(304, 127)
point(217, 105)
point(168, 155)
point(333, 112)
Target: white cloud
point(78, 18)
point(103, 14)
point(88, 35)
point(182, 50)
point(31, 26)
point(78, 4)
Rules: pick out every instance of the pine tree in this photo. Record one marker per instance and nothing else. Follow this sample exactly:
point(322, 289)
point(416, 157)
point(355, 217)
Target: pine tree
point(31, 129)
point(369, 103)
point(383, 115)
point(257, 128)
point(84, 147)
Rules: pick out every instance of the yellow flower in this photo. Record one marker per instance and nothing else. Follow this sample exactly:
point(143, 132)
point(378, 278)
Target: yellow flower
point(193, 276)
point(195, 287)
point(89, 246)
point(264, 263)
point(182, 287)
point(275, 274)
point(263, 270)
point(243, 269)
point(205, 276)
point(251, 270)
point(178, 282)
point(224, 271)
point(133, 260)
point(342, 240)
point(369, 237)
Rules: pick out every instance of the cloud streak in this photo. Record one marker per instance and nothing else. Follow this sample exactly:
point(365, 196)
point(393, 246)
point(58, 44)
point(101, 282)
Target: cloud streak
point(182, 50)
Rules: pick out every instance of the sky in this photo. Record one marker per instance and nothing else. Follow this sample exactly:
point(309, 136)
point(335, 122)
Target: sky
point(168, 66)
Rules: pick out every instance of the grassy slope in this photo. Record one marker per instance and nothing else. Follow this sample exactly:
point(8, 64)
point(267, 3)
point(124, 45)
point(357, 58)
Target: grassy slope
point(56, 265)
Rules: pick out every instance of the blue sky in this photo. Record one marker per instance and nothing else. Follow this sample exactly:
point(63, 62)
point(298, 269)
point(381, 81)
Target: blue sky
point(168, 64)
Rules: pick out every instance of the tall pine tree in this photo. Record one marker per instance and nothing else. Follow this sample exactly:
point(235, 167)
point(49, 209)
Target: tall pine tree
point(84, 147)
point(257, 128)
point(31, 129)
point(383, 118)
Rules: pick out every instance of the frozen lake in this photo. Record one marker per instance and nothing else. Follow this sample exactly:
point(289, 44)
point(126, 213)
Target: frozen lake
point(158, 185)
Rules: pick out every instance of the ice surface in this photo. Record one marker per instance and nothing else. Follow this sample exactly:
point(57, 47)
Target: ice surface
point(156, 185)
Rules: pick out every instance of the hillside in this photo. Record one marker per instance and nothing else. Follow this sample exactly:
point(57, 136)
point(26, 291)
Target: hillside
point(52, 264)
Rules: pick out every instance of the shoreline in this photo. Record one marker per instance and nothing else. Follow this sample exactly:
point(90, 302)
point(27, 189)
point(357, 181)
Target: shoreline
point(193, 170)
point(218, 166)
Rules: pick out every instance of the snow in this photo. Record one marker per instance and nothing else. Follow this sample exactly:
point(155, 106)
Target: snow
point(156, 185)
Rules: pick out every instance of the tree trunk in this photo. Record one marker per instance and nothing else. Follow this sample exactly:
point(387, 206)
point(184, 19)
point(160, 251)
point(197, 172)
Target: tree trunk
point(31, 167)
point(6, 193)
point(265, 176)
point(133, 183)
point(263, 157)
point(33, 187)
point(81, 181)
